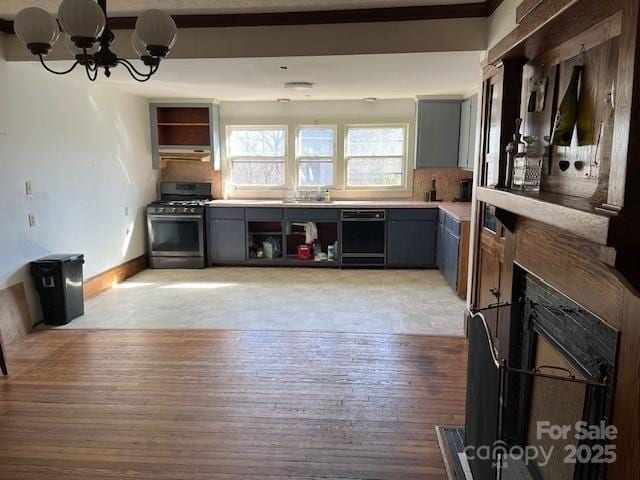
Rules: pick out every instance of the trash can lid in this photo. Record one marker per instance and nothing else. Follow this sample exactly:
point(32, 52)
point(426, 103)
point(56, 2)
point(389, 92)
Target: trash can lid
point(61, 257)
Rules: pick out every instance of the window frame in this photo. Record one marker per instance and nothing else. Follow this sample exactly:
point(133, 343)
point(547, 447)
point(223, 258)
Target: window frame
point(333, 159)
point(230, 158)
point(404, 157)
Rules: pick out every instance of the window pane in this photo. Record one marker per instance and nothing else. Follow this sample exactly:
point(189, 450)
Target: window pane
point(381, 141)
point(316, 142)
point(266, 142)
point(258, 173)
point(315, 174)
point(384, 172)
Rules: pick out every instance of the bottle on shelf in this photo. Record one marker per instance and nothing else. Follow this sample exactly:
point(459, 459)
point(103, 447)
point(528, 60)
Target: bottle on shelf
point(566, 117)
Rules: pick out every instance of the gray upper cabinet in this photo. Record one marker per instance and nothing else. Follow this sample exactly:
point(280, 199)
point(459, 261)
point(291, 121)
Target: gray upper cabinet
point(186, 131)
point(438, 133)
point(468, 124)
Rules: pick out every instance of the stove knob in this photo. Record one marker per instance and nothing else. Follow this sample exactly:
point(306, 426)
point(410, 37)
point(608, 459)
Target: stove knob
point(160, 210)
point(174, 210)
point(193, 210)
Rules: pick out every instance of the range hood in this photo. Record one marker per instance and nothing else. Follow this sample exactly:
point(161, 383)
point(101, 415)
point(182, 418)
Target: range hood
point(185, 154)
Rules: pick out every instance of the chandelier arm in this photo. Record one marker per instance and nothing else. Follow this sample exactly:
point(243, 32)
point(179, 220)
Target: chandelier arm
point(135, 74)
point(64, 72)
point(130, 65)
point(93, 77)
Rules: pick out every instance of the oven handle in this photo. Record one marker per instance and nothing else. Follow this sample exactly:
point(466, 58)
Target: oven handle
point(363, 219)
point(175, 217)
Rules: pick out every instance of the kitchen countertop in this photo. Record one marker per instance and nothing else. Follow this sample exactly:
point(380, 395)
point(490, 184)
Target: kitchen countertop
point(461, 211)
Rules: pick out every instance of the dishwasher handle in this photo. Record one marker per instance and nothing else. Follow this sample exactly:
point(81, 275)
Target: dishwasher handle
point(363, 215)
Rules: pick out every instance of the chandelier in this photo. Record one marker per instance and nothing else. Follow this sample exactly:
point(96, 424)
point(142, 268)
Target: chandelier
point(88, 37)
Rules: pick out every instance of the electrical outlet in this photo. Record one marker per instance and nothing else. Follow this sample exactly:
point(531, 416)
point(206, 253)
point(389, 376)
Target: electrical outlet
point(27, 188)
point(32, 220)
point(126, 211)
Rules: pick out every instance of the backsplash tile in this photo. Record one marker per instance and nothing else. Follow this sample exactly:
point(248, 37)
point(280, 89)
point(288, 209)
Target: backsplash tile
point(447, 182)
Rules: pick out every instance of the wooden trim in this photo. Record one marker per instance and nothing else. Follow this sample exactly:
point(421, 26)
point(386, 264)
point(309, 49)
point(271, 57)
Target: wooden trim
point(551, 24)
point(316, 17)
point(105, 280)
point(624, 177)
point(492, 6)
point(463, 263)
point(525, 8)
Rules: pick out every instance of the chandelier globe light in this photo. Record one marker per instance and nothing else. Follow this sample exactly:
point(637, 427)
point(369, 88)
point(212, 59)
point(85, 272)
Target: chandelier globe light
point(88, 37)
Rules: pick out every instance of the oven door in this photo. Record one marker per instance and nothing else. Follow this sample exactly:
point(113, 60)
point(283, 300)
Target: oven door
point(176, 235)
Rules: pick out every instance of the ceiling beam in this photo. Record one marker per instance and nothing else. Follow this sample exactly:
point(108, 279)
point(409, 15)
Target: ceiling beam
point(318, 17)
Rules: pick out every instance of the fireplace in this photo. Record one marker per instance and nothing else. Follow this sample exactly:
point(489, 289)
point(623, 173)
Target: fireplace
point(557, 371)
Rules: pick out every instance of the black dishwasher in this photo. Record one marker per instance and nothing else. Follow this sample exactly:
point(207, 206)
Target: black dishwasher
point(363, 238)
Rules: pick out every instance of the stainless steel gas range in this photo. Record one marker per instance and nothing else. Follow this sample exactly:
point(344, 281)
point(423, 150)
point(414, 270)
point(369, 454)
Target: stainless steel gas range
point(176, 226)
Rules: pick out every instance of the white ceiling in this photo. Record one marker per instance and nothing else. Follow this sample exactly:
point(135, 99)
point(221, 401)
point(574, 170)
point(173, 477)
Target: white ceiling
point(334, 77)
point(8, 8)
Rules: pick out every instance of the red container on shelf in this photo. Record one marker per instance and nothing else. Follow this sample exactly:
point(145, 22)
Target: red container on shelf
point(304, 252)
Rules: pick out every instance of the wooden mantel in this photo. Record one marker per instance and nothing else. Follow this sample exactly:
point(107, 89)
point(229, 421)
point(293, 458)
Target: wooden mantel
point(573, 214)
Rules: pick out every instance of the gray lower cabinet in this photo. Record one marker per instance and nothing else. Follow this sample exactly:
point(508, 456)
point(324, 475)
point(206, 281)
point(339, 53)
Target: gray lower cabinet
point(227, 240)
point(448, 250)
point(440, 247)
point(451, 249)
point(411, 243)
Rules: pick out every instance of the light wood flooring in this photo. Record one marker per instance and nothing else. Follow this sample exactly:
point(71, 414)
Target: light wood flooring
point(232, 405)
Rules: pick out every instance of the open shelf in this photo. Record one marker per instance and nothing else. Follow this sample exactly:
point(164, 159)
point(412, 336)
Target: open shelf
point(293, 260)
point(565, 212)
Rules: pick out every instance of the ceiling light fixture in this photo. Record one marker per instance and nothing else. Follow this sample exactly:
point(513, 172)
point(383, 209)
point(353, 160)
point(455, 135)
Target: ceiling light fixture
point(88, 37)
point(283, 100)
point(370, 99)
point(298, 85)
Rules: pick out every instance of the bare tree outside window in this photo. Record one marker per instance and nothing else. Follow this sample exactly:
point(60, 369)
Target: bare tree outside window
point(375, 156)
point(315, 155)
point(258, 155)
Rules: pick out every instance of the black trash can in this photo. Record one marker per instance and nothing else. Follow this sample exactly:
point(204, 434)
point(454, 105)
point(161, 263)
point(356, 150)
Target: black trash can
point(58, 279)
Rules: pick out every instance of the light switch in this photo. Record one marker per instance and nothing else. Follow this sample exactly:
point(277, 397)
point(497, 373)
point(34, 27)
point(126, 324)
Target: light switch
point(27, 188)
point(126, 211)
point(32, 220)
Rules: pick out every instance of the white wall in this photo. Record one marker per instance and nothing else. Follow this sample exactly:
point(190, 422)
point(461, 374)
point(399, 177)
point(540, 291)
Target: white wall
point(502, 21)
point(86, 150)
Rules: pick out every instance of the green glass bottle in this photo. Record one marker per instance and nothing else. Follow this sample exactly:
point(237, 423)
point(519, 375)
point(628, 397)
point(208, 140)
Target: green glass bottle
point(565, 121)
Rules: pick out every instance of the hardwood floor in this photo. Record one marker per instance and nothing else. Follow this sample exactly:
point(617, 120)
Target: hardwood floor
point(228, 405)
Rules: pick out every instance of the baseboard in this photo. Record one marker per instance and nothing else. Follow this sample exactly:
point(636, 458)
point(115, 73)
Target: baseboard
point(15, 320)
point(105, 280)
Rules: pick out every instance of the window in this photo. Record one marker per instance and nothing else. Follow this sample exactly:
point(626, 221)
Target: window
point(315, 156)
point(257, 155)
point(375, 156)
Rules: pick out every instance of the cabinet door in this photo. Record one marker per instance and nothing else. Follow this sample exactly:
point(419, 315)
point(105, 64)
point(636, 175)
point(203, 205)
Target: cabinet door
point(465, 130)
point(411, 244)
point(489, 266)
point(451, 254)
point(440, 247)
point(438, 133)
point(227, 241)
point(473, 131)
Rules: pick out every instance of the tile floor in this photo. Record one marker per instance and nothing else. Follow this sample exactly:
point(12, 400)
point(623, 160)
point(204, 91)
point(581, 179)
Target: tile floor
point(289, 299)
